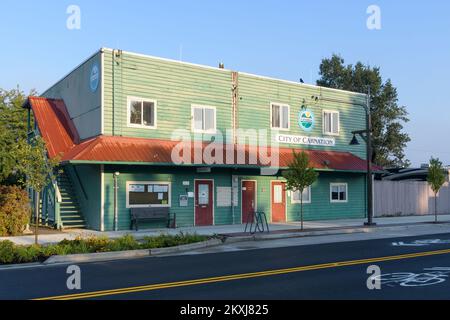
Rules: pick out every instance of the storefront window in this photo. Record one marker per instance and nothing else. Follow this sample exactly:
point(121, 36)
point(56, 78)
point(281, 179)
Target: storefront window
point(147, 194)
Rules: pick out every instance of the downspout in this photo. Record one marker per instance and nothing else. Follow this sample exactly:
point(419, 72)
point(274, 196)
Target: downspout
point(234, 123)
point(116, 207)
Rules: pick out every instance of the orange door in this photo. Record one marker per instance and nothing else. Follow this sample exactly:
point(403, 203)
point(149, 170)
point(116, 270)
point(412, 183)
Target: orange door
point(248, 200)
point(278, 202)
point(204, 203)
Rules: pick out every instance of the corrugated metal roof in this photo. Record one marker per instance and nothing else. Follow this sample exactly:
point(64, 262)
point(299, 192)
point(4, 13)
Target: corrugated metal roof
point(109, 149)
point(55, 125)
point(62, 138)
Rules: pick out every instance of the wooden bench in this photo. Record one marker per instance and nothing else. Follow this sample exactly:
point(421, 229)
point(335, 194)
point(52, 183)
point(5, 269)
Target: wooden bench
point(152, 214)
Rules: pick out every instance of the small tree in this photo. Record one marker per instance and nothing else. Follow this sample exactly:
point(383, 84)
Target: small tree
point(300, 176)
point(37, 169)
point(436, 179)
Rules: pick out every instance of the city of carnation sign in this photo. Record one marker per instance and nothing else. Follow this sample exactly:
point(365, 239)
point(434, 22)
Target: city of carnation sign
point(303, 140)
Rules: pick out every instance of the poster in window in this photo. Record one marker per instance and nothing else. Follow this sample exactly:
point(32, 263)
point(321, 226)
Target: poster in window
point(137, 188)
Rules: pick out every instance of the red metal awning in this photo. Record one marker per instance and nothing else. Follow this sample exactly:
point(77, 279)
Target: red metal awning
point(54, 123)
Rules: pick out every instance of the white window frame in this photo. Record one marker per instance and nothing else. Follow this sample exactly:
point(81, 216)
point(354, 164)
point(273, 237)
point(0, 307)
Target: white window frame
point(298, 201)
point(169, 205)
point(142, 100)
point(338, 185)
point(281, 105)
point(197, 106)
point(339, 122)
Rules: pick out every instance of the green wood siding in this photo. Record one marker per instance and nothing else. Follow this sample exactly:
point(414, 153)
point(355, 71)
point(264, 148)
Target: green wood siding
point(175, 86)
point(176, 176)
point(87, 177)
point(257, 94)
point(320, 209)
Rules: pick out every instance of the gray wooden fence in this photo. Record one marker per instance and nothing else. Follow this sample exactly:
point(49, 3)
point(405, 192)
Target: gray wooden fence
point(401, 198)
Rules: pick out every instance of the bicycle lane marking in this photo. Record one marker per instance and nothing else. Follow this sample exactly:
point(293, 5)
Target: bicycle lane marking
point(430, 276)
point(235, 277)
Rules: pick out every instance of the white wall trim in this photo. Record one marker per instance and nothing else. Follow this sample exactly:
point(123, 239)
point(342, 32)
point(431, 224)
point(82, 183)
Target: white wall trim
point(102, 198)
point(102, 81)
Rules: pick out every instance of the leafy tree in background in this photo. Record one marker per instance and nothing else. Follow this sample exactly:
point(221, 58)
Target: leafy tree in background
point(436, 179)
point(389, 140)
point(22, 162)
point(13, 128)
point(300, 176)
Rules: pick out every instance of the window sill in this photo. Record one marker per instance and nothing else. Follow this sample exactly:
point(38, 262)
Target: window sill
point(137, 126)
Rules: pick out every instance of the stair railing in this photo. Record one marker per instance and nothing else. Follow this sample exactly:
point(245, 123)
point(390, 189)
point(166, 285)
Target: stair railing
point(58, 201)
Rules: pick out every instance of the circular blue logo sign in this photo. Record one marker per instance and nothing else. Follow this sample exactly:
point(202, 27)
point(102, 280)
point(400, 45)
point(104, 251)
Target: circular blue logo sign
point(94, 77)
point(306, 120)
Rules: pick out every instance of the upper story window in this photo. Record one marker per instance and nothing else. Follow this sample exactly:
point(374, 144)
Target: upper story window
point(331, 122)
point(295, 197)
point(280, 116)
point(142, 113)
point(204, 119)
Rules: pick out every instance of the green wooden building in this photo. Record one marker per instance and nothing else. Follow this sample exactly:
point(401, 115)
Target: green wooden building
point(156, 126)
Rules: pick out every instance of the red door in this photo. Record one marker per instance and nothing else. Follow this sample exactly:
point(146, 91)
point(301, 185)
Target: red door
point(278, 202)
point(248, 200)
point(204, 203)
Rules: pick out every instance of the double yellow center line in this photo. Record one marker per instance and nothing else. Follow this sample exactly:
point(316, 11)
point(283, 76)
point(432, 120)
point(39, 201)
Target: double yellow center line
point(153, 287)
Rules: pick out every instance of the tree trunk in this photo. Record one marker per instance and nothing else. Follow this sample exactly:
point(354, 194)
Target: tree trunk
point(36, 216)
point(301, 209)
point(435, 208)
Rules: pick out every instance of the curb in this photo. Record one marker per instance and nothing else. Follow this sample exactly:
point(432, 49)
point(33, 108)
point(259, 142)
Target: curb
point(304, 234)
point(97, 257)
point(186, 247)
point(133, 254)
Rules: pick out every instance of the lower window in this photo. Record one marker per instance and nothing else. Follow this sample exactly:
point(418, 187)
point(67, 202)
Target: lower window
point(148, 194)
point(339, 192)
point(295, 198)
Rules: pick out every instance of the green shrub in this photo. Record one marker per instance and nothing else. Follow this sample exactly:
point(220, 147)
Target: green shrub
point(165, 241)
point(7, 250)
point(15, 210)
point(125, 243)
point(27, 254)
point(10, 253)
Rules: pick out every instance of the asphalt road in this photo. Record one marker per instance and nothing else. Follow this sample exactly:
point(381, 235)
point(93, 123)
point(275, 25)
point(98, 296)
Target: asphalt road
point(326, 271)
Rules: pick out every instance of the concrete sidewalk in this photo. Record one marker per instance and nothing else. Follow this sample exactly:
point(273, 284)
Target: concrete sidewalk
point(312, 227)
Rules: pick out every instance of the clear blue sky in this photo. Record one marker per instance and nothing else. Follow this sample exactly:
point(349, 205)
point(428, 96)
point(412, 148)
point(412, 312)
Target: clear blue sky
point(283, 39)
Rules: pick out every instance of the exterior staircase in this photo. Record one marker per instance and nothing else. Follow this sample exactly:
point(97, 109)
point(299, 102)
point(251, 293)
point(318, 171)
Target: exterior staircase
point(71, 215)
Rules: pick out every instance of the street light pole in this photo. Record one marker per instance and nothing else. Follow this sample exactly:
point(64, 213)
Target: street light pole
point(367, 137)
point(369, 163)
